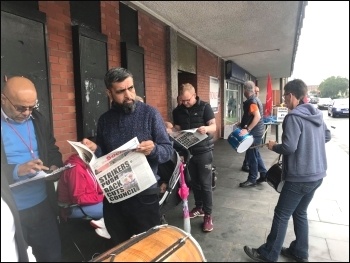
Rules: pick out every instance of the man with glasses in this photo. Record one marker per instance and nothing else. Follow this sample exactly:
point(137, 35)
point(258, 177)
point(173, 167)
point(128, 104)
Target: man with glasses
point(28, 146)
point(303, 170)
point(257, 91)
point(195, 113)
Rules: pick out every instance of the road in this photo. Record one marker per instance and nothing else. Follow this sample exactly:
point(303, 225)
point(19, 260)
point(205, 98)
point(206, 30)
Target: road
point(340, 130)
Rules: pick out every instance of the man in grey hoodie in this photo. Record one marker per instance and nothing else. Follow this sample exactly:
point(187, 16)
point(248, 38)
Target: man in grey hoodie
point(303, 167)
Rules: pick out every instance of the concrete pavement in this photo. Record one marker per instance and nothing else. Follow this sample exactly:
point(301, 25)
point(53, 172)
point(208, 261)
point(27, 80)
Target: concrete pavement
point(243, 216)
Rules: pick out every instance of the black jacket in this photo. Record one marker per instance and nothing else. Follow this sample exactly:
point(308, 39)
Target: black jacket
point(48, 152)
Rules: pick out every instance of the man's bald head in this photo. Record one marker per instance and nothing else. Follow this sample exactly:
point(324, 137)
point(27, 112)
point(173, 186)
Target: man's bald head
point(20, 88)
point(18, 96)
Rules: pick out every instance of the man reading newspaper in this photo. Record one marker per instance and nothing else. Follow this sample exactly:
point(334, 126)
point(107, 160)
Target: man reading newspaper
point(127, 119)
point(121, 173)
point(196, 114)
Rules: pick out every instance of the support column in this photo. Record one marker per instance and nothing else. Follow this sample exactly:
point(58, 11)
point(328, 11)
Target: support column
point(171, 70)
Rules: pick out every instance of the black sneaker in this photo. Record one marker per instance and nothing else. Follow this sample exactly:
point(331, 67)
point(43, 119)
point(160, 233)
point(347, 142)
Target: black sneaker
point(245, 168)
point(286, 252)
point(213, 183)
point(254, 254)
point(261, 179)
point(247, 184)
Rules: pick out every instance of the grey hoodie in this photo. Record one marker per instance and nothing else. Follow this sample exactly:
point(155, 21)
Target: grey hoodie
point(303, 144)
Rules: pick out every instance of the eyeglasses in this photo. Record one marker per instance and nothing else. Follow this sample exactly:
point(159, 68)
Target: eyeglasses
point(22, 109)
point(184, 101)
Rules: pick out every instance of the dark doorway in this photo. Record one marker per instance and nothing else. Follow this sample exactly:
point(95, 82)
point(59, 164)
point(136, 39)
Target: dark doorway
point(24, 51)
point(185, 77)
point(90, 66)
point(132, 58)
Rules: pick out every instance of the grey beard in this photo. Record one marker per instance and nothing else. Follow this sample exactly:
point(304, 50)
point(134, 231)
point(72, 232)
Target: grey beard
point(128, 107)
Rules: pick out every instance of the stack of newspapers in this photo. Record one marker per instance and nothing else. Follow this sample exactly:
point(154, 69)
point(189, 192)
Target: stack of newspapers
point(188, 138)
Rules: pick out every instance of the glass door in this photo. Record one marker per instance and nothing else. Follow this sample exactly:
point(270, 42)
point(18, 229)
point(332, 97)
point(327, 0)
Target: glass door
point(232, 103)
point(232, 106)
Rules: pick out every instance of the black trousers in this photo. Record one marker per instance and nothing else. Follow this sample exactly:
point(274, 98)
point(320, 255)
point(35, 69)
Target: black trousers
point(40, 230)
point(130, 217)
point(201, 180)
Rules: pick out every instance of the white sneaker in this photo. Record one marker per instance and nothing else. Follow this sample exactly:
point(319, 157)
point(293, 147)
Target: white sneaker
point(98, 223)
point(103, 232)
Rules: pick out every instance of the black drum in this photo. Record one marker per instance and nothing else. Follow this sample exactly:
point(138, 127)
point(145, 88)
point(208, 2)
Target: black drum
point(274, 176)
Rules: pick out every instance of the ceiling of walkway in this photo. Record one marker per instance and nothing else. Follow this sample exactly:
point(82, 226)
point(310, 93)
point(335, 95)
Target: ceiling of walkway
point(259, 36)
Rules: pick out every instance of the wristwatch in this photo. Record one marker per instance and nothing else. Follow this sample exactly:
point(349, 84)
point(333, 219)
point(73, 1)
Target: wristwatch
point(248, 130)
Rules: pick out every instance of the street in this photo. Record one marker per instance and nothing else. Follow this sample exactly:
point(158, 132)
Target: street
point(340, 130)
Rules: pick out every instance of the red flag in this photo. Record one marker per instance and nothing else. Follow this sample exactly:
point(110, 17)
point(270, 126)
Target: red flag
point(268, 105)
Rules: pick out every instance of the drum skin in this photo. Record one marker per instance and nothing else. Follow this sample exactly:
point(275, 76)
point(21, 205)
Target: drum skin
point(240, 143)
point(165, 244)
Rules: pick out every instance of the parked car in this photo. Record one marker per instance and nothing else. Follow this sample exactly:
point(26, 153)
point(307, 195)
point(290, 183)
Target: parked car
point(323, 103)
point(339, 107)
point(313, 100)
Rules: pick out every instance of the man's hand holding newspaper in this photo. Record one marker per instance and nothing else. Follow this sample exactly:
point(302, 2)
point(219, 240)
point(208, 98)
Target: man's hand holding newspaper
point(188, 138)
point(121, 173)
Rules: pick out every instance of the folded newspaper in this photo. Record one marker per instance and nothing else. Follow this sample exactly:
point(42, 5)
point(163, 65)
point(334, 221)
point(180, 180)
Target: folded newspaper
point(42, 174)
point(188, 138)
point(121, 173)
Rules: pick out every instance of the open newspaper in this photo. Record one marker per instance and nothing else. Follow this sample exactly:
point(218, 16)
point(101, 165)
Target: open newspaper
point(188, 138)
point(121, 173)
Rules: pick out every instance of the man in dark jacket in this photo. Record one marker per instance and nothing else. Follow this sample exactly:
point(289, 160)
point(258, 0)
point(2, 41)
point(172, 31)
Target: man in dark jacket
point(129, 118)
point(194, 113)
point(28, 146)
point(303, 170)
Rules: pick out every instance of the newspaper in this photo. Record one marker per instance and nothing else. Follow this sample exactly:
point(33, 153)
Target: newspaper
point(188, 138)
point(42, 174)
point(121, 173)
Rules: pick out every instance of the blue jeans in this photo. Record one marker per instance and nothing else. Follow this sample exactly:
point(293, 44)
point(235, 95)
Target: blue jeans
point(293, 201)
point(255, 162)
point(94, 211)
point(245, 162)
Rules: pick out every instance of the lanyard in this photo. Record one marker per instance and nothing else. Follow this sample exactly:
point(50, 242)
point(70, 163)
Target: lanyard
point(30, 148)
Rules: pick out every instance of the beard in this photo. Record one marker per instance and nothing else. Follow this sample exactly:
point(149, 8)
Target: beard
point(126, 107)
